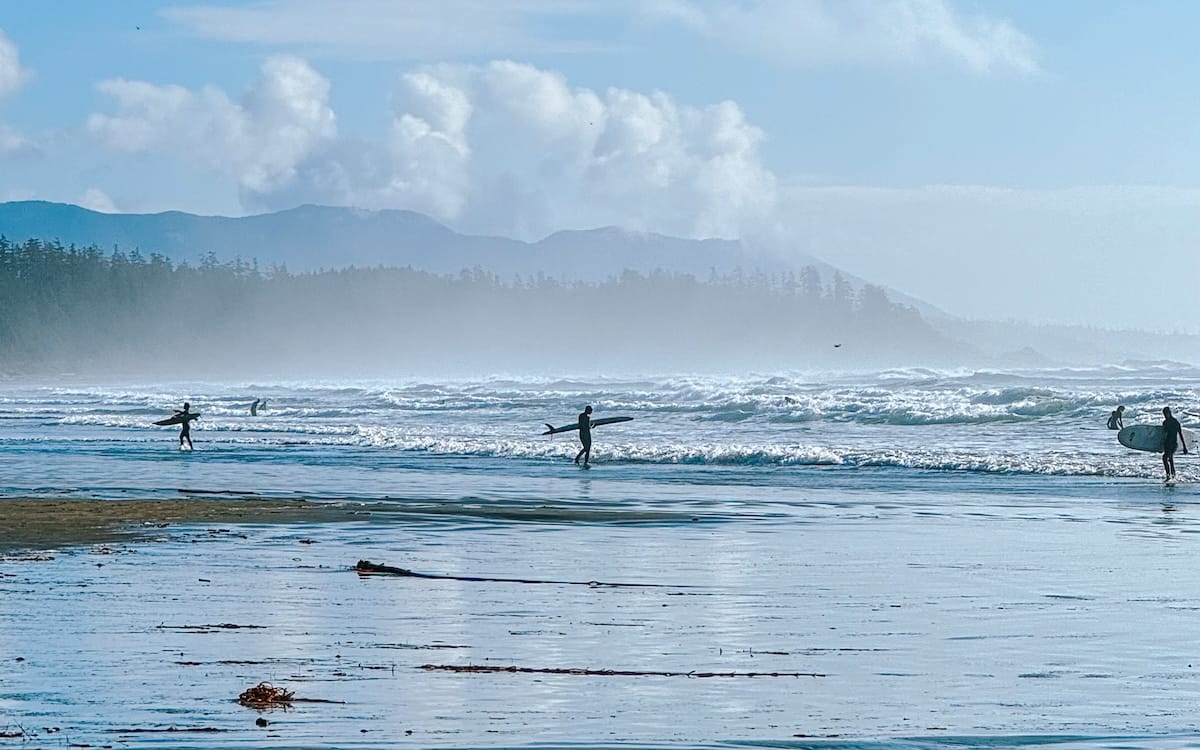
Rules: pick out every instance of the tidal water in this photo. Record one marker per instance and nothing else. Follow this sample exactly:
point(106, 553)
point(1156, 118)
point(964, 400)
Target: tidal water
point(892, 560)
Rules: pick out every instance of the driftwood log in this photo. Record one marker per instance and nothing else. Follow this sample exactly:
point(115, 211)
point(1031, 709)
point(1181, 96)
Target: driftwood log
point(366, 567)
point(608, 672)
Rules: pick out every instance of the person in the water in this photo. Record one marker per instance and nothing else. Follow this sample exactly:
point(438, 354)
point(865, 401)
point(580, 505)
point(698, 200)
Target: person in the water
point(185, 426)
point(1116, 420)
point(254, 407)
point(585, 435)
point(1172, 440)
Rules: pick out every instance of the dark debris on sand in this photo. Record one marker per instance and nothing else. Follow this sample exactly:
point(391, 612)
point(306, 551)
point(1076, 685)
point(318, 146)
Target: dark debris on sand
point(265, 695)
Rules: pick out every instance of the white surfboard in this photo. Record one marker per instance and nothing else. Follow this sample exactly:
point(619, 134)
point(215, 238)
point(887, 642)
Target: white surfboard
point(1149, 437)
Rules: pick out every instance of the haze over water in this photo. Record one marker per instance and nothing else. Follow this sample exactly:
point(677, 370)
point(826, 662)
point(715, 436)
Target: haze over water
point(952, 559)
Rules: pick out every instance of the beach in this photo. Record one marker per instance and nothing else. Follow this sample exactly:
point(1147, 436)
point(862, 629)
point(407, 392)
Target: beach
point(734, 570)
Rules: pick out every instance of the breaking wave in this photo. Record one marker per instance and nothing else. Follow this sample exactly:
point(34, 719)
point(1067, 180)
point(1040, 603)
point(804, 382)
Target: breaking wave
point(996, 423)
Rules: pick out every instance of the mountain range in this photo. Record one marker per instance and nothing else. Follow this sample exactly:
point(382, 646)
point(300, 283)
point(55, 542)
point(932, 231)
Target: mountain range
point(310, 238)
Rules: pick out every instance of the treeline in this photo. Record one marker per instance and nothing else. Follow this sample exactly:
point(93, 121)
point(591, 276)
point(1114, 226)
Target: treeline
point(80, 308)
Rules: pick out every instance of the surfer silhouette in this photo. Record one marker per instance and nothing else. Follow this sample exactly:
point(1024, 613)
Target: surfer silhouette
point(1116, 420)
point(585, 435)
point(254, 407)
point(185, 425)
point(1172, 439)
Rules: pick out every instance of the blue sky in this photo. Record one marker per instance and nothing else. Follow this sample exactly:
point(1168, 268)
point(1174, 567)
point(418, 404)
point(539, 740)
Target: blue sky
point(1000, 159)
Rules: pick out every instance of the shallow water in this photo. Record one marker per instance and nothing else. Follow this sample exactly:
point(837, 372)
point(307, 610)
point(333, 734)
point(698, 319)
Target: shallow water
point(1009, 579)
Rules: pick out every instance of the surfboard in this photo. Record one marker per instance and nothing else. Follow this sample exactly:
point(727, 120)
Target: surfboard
point(552, 430)
point(176, 419)
point(1149, 437)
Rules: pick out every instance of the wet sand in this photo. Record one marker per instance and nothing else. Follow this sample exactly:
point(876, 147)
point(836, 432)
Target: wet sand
point(39, 524)
point(889, 627)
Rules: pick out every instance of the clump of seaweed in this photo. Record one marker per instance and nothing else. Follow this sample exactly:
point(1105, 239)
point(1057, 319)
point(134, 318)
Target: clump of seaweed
point(265, 695)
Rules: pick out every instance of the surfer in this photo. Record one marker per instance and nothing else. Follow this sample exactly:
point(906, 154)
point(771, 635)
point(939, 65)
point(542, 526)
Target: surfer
point(585, 435)
point(1116, 419)
point(254, 407)
point(185, 425)
point(1172, 439)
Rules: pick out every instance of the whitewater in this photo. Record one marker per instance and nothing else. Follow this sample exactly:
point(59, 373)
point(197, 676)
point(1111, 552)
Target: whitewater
point(950, 559)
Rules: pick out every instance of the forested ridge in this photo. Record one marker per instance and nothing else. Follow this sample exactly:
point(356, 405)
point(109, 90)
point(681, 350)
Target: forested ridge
point(83, 307)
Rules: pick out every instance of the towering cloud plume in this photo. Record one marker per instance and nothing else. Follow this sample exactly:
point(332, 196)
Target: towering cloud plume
point(503, 147)
point(259, 141)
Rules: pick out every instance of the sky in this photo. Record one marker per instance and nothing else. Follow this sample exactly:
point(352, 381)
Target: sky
point(998, 159)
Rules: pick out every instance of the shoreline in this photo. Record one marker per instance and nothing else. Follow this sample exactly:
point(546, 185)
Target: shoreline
point(42, 524)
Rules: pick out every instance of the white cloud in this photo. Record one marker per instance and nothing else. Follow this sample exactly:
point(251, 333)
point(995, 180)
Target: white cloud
point(12, 143)
point(501, 148)
point(12, 75)
point(97, 200)
point(260, 140)
point(791, 32)
point(513, 149)
point(824, 32)
point(393, 29)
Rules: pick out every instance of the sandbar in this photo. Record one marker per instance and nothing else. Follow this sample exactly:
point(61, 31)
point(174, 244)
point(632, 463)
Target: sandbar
point(34, 524)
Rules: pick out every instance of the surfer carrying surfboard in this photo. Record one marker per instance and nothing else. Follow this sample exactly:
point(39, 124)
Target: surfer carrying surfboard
point(585, 435)
point(584, 424)
point(185, 425)
point(1172, 439)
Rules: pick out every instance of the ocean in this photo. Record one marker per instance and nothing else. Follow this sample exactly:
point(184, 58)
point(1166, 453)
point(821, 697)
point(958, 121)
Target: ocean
point(887, 560)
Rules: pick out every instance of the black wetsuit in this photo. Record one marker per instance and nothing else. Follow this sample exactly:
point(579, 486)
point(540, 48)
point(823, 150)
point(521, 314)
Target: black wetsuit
point(585, 437)
point(1172, 436)
point(1114, 420)
point(1173, 433)
point(185, 428)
